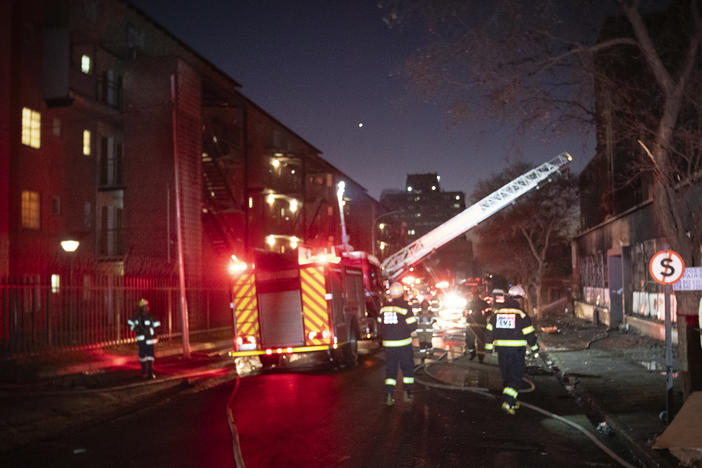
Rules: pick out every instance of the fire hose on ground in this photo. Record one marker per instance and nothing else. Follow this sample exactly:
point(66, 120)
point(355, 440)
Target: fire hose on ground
point(484, 392)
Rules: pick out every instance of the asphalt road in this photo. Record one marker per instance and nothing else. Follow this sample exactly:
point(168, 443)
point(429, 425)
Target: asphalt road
point(331, 418)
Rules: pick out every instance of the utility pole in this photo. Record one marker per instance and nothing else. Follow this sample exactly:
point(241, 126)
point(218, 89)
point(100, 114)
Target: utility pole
point(179, 223)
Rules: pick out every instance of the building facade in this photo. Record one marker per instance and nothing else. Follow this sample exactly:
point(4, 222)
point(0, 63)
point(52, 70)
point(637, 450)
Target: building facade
point(117, 135)
point(416, 210)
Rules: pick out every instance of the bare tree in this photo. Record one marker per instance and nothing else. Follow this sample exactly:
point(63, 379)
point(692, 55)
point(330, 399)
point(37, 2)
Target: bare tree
point(537, 64)
point(521, 242)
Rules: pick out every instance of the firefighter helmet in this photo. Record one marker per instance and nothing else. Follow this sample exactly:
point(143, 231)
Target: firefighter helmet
point(517, 291)
point(143, 304)
point(396, 290)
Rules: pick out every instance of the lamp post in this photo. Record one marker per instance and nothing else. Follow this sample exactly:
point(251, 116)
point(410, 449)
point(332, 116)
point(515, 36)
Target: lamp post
point(340, 187)
point(70, 246)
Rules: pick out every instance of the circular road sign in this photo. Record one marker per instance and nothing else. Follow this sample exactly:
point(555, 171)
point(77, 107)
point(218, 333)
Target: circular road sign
point(666, 267)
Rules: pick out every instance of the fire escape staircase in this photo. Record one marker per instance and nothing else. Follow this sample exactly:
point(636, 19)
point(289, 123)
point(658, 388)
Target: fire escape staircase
point(219, 202)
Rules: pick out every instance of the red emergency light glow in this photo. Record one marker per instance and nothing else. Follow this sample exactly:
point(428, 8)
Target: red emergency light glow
point(408, 279)
point(236, 266)
point(442, 285)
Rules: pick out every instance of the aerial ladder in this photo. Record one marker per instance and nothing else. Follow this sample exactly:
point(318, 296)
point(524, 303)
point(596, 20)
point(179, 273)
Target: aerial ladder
point(393, 266)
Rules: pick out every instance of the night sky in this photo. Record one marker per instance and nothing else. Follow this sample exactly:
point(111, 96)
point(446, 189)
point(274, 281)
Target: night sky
point(323, 66)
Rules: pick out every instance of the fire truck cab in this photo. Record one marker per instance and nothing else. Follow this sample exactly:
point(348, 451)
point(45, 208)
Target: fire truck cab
point(298, 302)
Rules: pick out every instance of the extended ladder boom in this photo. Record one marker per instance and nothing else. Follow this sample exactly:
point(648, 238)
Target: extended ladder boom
point(396, 263)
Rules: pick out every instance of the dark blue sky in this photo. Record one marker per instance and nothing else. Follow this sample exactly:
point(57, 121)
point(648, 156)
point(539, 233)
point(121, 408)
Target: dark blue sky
point(323, 66)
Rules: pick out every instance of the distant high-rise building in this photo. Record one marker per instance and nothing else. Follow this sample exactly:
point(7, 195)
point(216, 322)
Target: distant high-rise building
point(416, 210)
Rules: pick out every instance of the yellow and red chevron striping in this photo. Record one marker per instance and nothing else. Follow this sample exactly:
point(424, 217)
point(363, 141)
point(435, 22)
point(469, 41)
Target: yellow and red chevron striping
point(246, 306)
point(314, 304)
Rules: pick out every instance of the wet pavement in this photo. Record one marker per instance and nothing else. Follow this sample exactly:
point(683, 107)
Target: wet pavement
point(616, 377)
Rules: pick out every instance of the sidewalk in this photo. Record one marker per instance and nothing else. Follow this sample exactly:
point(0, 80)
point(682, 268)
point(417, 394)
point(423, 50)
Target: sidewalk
point(619, 377)
point(43, 397)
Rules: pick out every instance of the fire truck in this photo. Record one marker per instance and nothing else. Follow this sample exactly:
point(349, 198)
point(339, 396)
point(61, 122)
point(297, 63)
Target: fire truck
point(308, 301)
point(303, 302)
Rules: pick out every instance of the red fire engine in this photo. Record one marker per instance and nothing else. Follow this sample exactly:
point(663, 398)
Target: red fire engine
point(301, 302)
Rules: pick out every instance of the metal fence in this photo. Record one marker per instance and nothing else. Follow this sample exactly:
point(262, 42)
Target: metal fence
point(93, 312)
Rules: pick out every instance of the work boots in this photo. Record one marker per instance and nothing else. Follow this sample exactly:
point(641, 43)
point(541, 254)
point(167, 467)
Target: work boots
point(150, 370)
point(407, 397)
point(389, 400)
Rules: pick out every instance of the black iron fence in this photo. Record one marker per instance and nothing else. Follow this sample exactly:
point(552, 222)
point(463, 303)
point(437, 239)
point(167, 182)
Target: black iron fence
point(93, 312)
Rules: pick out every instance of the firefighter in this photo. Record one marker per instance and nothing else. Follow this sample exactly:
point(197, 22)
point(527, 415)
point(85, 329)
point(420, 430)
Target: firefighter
point(425, 329)
point(144, 324)
point(435, 304)
point(476, 318)
point(397, 325)
point(415, 304)
point(509, 332)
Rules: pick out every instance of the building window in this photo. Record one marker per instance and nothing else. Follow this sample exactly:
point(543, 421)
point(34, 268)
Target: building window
point(87, 214)
point(86, 142)
point(55, 283)
point(57, 127)
point(29, 210)
point(56, 205)
point(135, 40)
point(31, 128)
point(85, 64)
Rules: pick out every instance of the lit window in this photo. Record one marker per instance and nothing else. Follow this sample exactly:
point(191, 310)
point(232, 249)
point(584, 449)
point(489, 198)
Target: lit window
point(275, 163)
point(31, 128)
point(293, 205)
point(86, 142)
point(55, 283)
point(458, 197)
point(381, 226)
point(411, 232)
point(30, 209)
point(409, 189)
point(85, 64)
point(270, 199)
point(433, 187)
point(250, 202)
point(270, 240)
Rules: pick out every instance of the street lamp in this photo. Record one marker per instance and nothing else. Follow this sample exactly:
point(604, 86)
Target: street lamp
point(340, 187)
point(70, 245)
point(382, 227)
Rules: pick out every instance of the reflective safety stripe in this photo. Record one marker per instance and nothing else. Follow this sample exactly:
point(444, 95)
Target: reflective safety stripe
point(396, 343)
point(489, 326)
point(488, 346)
point(509, 310)
point(157, 323)
point(407, 379)
point(152, 341)
point(141, 338)
point(130, 322)
point(396, 309)
point(510, 343)
point(511, 392)
point(527, 330)
point(390, 382)
point(149, 358)
point(143, 359)
point(535, 347)
point(411, 320)
point(147, 322)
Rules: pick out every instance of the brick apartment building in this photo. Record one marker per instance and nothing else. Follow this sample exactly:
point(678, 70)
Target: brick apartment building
point(113, 133)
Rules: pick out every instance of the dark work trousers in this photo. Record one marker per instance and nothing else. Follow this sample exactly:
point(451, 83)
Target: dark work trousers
point(475, 340)
point(511, 363)
point(402, 357)
point(146, 357)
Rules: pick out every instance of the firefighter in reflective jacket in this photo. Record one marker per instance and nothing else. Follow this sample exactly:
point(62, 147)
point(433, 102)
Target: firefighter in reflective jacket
point(425, 329)
point(509, 332)
point(144, 324)
point(397, 325)
point(435, 305)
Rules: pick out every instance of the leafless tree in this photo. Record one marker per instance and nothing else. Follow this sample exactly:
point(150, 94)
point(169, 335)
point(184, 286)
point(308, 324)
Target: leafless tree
point(537, 64)
point(522, 242)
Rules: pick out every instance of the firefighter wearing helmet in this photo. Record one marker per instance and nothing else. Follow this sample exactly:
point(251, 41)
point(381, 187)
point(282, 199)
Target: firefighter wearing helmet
point(509, 333)
point(145, 324)
point(397, 323)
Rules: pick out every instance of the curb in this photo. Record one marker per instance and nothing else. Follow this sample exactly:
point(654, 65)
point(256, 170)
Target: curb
point(621, 430)
point(102, 364)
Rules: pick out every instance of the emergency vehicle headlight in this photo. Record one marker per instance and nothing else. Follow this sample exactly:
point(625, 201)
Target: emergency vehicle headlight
point(269, 351)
